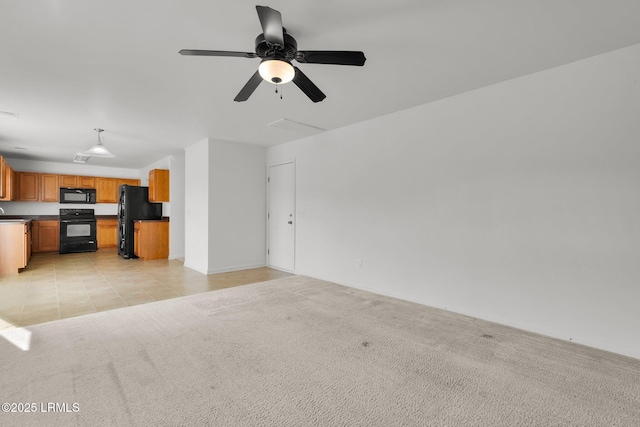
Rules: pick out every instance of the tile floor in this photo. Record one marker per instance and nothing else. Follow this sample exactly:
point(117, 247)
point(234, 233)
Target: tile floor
point(55, 286)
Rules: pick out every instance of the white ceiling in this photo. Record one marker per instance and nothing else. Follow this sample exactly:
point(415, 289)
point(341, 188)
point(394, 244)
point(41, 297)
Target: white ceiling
point(69, 66)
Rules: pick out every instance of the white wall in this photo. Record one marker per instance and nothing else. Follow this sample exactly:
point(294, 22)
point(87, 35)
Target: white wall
point(237, 200)
point(224, 206)
point(196, 229)
point(516, 203)
point(177, 211)
point(48, 208)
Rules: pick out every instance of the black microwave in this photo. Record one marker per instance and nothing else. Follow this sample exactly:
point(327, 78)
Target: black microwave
point(77, 195)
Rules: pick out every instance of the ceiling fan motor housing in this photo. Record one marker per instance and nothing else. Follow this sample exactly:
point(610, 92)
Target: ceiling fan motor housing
point(266, 50)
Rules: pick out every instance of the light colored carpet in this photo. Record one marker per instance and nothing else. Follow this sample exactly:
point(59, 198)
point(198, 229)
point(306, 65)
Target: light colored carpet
point(302, 352)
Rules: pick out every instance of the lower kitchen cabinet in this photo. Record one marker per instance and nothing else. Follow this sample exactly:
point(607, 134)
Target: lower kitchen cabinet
point(107, 233)
point(46, 236)
point(26, 250)
point(151, 239)
point(15, 246)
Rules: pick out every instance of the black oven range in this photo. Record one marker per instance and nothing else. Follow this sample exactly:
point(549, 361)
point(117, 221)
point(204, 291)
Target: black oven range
point(77, 231)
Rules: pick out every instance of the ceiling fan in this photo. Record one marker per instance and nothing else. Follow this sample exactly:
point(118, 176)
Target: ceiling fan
point(277, 49)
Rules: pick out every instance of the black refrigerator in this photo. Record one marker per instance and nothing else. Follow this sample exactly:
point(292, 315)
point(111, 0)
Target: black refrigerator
point(133, 204)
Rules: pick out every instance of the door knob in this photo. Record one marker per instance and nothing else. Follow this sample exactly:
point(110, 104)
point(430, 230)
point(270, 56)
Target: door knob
point(290, 222)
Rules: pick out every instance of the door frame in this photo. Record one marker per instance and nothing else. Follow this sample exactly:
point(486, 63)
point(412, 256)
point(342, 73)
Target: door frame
point(266, 249)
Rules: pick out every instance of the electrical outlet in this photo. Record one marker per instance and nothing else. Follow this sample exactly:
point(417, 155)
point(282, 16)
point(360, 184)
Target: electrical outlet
point(359, 263)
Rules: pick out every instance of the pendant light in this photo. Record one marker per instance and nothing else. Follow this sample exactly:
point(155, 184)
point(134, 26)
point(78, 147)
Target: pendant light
point(98, 150)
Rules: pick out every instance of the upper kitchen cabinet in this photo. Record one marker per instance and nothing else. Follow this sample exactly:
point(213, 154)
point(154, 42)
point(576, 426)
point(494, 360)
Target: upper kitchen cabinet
point(7, 183)
point(75, 181)
point(159, 185)
point(106, 190)
point(86, 182)
point(69, 181)
point(3, 184)
point(49, 187)
point(29, 186)
point(128, 181)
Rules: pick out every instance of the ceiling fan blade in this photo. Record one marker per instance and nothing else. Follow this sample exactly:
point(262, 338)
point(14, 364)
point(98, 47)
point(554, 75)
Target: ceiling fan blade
point(271, 21)
point(248, 89)
point(194, 52)
point(307, 86)
point(336, 57)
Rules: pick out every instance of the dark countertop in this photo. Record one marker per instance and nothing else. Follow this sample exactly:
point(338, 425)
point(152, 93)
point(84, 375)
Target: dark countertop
point(31, 217)
point(57, 217)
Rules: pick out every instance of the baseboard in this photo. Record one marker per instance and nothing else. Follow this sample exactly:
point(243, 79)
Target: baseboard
point(235, 268)
point(281, 269)
point(189, 266)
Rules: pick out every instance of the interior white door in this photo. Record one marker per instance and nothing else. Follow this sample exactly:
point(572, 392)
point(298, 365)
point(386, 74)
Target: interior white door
point(281, 218)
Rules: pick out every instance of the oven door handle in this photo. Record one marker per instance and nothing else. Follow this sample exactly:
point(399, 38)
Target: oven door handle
point(67, 221)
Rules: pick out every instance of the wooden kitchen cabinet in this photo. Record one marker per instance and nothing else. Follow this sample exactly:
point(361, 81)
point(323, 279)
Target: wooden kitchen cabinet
point(151, 239)
point(107, 233)
point(159, 185)
point(68, 181)
point(9, 183)
point(27, 243)
point(45, 187)
point(3, 183)
point(15, 246)
point(86, 182)
point(106, 190)
point(29, 186)
point(46, 236)
point(49, 187)
point(128, 181)
point(34, 236)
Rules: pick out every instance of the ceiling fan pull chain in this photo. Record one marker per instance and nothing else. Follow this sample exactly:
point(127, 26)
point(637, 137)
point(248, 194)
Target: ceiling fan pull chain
point(280, 90)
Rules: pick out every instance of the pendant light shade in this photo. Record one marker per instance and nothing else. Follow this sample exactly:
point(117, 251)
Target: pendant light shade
point(98, 150)
point(276, 71)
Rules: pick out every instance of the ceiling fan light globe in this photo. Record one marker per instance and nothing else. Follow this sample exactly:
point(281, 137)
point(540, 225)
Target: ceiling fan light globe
point(276, 71)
